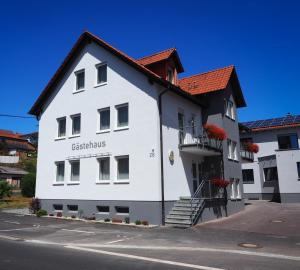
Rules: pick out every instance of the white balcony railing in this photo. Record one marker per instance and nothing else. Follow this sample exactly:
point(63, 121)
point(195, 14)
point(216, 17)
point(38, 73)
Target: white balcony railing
point(247, 155)
point(9, 159)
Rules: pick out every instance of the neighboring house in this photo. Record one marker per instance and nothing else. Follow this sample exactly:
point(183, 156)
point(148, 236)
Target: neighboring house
point(12, 175)
point(13, 144)
point(275, 172)
point(32, 138)
point(123, 137)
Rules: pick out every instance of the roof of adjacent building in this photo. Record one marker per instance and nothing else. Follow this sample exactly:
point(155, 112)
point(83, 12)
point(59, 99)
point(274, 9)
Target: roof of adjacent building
point(213, 81)
point(12, 170)
point(161, 56)
point(209, 82)
point(15, 141)
point(274, 123)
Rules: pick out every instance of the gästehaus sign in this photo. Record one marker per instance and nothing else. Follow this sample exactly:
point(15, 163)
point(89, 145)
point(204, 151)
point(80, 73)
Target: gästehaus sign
point(88, 145)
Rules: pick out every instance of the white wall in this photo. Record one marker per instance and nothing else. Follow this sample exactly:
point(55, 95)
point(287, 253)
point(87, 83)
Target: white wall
point(178, 176)
point(124, 85)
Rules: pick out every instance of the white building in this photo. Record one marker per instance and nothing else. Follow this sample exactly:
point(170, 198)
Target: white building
point(275, 172)
point(122, 137)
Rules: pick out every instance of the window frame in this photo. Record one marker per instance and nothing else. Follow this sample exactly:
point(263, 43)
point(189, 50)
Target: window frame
point(272, 180)
point(58, 120)
point(230, 110)
point(251, 181)
point(117, 107)
point(76, 89)
point(101, 212)
point(72, 125)
point(288, 135)
point(57, 163)
point(120, 213)
point(72, 211)
point(298, 169)
point(103, 181)
point(117, 179)
point(99, 130)
point(97, 74)
point(235, 189)
point(71, 172)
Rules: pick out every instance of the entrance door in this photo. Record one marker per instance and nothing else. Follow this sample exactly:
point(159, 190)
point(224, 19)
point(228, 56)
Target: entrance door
point(196, 174)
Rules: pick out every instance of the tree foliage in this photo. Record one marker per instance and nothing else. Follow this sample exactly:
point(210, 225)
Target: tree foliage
point(28, 185)
point(5, 189)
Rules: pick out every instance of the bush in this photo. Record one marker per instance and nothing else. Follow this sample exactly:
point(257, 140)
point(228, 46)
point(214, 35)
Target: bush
point(34, 205)
point(41, 213)
point(127, 220)
point(117, 220)
point(5, 189)
point(145, 223)
point(73, 216)
point(91, 218)
point(51, 215)
point(59, 214)
point(138, 222)
point(28, 185)
point(107, 220)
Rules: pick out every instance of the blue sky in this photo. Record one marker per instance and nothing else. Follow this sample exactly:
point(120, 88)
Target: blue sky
point(261, 38)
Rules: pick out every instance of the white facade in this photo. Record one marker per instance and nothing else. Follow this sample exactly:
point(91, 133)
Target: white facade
point(288, 185)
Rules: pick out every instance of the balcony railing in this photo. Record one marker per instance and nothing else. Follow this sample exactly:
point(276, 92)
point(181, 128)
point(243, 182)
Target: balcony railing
point(247, 155)
point(196, 136)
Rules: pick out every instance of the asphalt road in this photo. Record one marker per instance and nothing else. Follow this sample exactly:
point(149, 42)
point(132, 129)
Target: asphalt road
point(27, 242)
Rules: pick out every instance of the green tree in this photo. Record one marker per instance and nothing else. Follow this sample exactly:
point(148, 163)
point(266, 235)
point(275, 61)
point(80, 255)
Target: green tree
point(28, 185)
point(5, 189)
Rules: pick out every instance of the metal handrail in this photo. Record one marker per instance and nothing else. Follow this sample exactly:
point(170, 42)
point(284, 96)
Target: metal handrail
point(194, 197)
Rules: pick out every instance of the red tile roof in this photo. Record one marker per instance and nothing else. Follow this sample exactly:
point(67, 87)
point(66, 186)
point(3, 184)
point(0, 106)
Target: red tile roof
point(9, 134)
point(156, 57)
point(207, 82)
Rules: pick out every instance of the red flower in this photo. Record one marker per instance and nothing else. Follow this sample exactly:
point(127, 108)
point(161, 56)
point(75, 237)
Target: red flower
point(220, 183)
point(215, 132)
point(251, 147)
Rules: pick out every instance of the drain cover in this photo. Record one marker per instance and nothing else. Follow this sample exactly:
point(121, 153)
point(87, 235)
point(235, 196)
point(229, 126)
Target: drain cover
point(277, 221)
point(249, 245)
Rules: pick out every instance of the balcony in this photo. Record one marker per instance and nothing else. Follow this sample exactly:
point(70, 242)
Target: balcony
point(247, 155)
point(196, 141)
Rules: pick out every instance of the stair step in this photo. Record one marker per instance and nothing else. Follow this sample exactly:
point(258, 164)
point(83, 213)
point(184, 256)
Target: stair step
point(181, 213)
point(177, 217)
point(180, 222)
point(185, 198)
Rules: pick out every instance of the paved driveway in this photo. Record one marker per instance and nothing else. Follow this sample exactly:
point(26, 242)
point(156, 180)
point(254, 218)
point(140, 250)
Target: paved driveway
point(262, 217)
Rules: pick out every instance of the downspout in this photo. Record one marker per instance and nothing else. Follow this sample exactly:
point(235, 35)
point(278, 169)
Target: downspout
point(163, 214)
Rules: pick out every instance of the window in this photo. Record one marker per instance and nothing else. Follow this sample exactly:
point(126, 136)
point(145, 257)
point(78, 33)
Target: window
point(61, 131)
point(72, 207)
point(271, 174)
point(103, 209)
point(235, 188)
point(60, 171)
point(101, 73)
point(170, 75)
point(229, 110)
point(298, 169)
point(122, 167)
point(76, 124)
point(122, 116)
point(104, 115)
point(58, 207)
point(232, 150)
point(79, 80)
point(122, 210)
point(288, 141)
point(248, 176)
point(181, 127)
point(193, 125)
point(104, 168)
point(75, 170)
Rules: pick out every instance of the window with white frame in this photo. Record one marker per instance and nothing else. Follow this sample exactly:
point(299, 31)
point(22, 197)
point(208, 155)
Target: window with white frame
point(76, 124)
point(235, 188)
point(122, 167)
point(75, 170)
point(101, 73)
point(60, 171)
point(104, 119)
point(232, 149)
point(229, 110)
point(122, 116)
point(104, 168)
point(80, 80)
point(61, 127)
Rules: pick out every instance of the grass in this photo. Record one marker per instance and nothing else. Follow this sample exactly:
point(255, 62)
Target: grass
point(14, 202)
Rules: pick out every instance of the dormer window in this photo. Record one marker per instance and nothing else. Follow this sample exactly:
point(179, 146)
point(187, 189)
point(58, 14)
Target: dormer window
point(170, 75)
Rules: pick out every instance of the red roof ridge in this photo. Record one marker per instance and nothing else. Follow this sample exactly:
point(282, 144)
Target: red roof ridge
point(147, 56)
point(210, 71)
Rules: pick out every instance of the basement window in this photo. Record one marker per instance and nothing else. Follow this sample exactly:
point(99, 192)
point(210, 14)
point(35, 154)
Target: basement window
point(103, 209)
point(72, 208)
point(122, 210)
point(57, 207)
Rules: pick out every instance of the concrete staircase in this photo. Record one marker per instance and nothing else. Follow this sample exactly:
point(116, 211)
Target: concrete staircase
point(184, 212)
